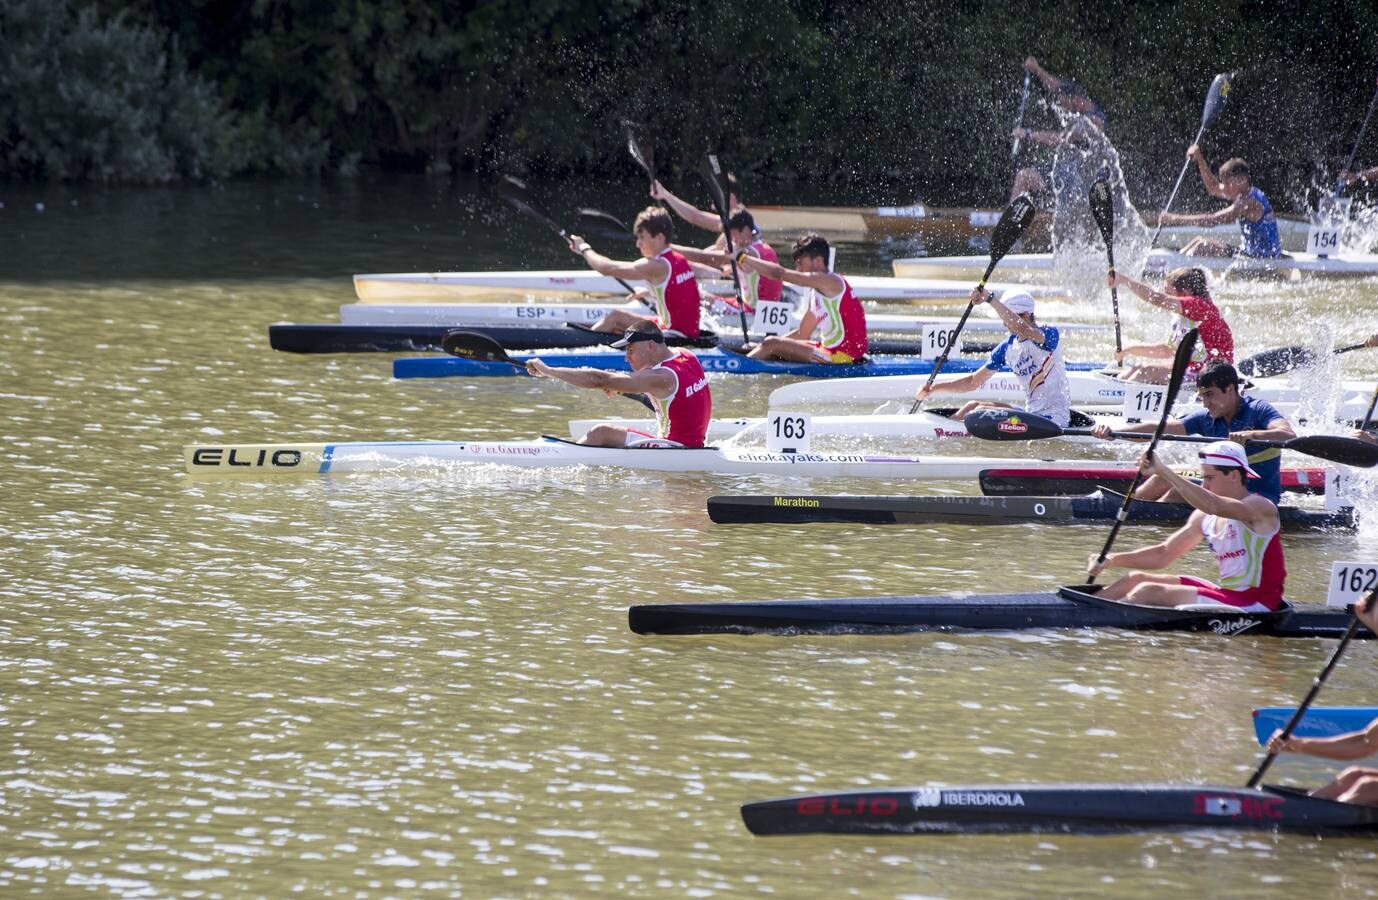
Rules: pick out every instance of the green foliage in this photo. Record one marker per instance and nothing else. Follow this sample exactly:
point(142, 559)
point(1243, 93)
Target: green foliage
point(880, 102)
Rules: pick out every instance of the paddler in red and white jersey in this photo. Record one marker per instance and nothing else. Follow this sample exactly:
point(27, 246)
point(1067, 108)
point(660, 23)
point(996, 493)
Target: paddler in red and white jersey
point(833, 328)
point(1242, 528)
point(672, 378)
point(1032, 352)
point(741, 227)
point(674, 292)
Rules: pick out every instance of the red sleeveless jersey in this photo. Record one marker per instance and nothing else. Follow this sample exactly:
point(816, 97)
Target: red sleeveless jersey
point(684, 414)
point(677, 298)
point(767, 288)
point(841, 322)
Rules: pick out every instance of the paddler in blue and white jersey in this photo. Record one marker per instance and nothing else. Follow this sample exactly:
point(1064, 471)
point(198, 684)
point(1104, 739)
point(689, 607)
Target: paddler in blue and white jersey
point(1249, 207)
point(1032, 352)
point(1356, 784)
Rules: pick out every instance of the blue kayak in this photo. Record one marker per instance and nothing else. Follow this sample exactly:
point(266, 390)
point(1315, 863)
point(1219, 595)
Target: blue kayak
point(1319, 721)
point(712, 361)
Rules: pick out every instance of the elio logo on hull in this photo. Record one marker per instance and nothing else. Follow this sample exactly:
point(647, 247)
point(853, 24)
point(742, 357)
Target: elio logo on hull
point(231, 456)
point(884, 805)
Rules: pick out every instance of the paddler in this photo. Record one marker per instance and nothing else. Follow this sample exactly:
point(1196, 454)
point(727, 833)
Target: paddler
point(1241, 527)
point(1226, 414)
point(1073, 101)
point(1188, 296)
point(674, 292)
point(1032, 352)
point(833, 328)
point(1356, 784)
point(672, 378)
point(1249, 207)
point(741, 227)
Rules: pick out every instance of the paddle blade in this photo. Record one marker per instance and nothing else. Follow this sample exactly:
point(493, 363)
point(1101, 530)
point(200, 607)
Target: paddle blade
point(1180, 362)
point(1344, 450)
point(1219, 92)
point(515, 192)
point(602, 224)
point(711, 173)
point(1278, 361)
point(1010, 425)
point(1014, 221)
point(639, 152)
point(1103, 211)
point(473, 345)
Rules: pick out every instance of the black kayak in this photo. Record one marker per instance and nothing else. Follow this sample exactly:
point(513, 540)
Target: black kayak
point(1076, 482)
point(1068, 607)
point(330, 338)
point(1067, 808)
point(1100, 506)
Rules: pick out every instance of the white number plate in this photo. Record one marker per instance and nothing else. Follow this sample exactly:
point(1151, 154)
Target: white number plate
point(936, 339)
point(1323, 239)
point(1337, 488)
point(772, 317)
point(788, 432)
point(1143, 402)
point(1350, 582)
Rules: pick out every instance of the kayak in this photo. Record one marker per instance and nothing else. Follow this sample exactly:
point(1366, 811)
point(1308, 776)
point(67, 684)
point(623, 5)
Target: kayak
point(1063, 808)
point(1061, 482)
point(1318, 721)
point(1100, 506)
point(967, 225)
point(1087, 387)
point(1068, 607)
point(546, 315)
point(331, 338)
point(256, 460)
point(1035, 266)
point(711, 360)
point(439, 287)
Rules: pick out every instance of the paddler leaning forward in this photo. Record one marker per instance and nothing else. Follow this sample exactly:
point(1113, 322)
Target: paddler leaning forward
point(1242, 528)
point(672, 378)
point(674, 292)
point(1356, 784)
point(1032, 352)
point(833, 328)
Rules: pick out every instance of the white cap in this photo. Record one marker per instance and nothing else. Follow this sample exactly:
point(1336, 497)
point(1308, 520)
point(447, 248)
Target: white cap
point(1018, 301)
point(1227, 454)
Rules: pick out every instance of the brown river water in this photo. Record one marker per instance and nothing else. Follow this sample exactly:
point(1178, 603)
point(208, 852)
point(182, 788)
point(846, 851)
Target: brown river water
point(422, 683)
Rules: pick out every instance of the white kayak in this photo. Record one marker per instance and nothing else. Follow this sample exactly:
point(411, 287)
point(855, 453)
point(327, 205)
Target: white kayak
point(271, 460)
point(441, 287)
point(538, 315)
point(1087, 388)
point(1035, 266)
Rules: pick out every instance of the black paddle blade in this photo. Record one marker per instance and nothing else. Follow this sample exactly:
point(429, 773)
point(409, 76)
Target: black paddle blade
point(711, 173)
point(1344, 450)
point(1278, 361)
point(1180, 362)
point(639, 153)
point(602, 224)
point(1103, 211)
point(1219, 92)
point(515, 192)
point(1014, 221)
point(475, 346)
point(1010, 425)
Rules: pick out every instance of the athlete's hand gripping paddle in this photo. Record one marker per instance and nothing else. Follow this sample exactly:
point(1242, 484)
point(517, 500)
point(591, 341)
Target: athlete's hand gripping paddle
point(480, 347)
point(519, 195)
point(712, 176)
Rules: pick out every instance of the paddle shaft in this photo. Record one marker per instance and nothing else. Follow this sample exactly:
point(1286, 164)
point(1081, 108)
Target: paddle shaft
point(527, 205)
point(1019, 119)
point(1310, 695)
point(961, 323)
point(712, 174)
point(1339, 182)
point(1176, 187)
point(1368, 416)
point(1179, 369)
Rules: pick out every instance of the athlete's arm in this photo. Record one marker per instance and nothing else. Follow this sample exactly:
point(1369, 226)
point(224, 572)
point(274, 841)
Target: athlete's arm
point(656, 382)
point(807, 323)
point(644, 269)
point(693, 215)
point(1355, 745)
point(1158, 556)
point(957, 385)
point(1278, 429)
point(1213, 185)
point(1146, 293)
point(828, 283)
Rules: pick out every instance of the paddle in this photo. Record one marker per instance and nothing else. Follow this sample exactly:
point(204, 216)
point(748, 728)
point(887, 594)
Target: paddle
point(519, 195)
point(479, 347)
point(1174, 384)
point(1339, 181)
point(712, 176)
point(1215, 100)
point(1014, 221)
point(602, 224)
point(1315, 689)
point(1368, 416)
point(1013, 425)
point(1281, 360)
point(1103, 211)
point(643, 158)
point(1019, 119)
